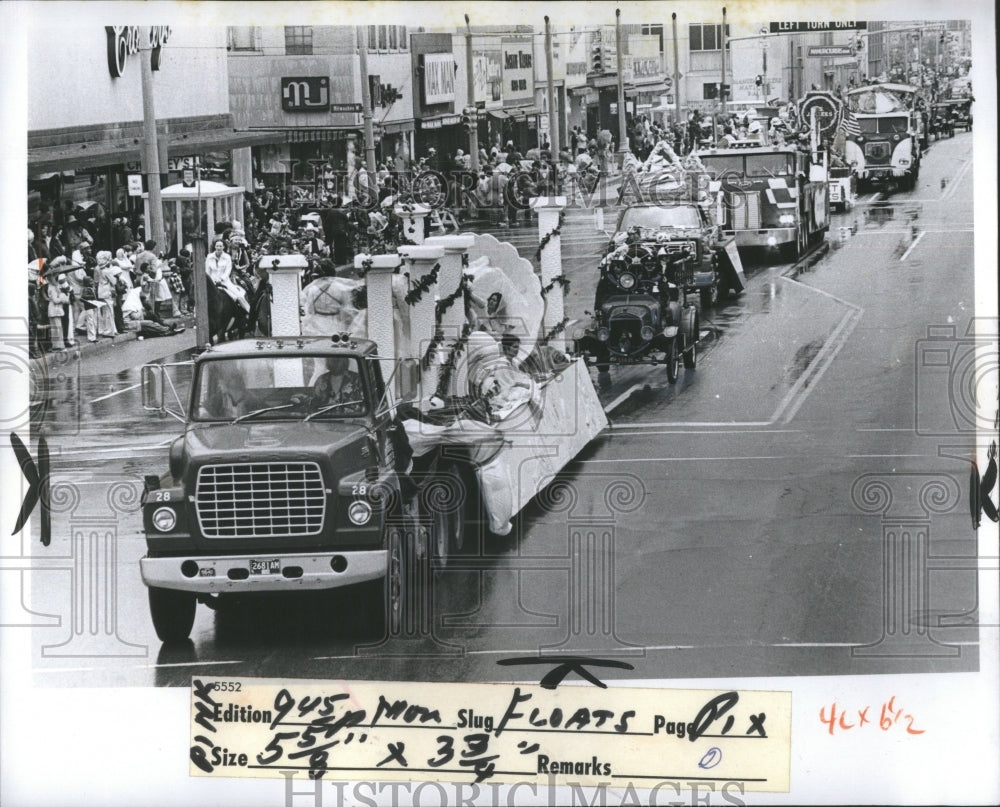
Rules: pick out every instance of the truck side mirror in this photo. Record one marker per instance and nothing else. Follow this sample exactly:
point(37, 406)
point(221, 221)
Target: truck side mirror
point(152, 387)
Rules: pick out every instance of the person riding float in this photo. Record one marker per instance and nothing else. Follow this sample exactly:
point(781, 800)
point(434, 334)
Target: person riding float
point(219, 268)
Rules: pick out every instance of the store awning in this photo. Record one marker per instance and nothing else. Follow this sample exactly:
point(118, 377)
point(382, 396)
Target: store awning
point(499, 114)
point(523, 112)
point(81, 156)
point(658, 89)
point(397, 127)
point(602, 81)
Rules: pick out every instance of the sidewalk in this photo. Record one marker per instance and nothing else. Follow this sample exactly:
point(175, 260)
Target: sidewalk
point(124, 351)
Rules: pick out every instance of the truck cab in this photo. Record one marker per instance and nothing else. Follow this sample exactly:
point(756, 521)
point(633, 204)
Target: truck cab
point(282, 480)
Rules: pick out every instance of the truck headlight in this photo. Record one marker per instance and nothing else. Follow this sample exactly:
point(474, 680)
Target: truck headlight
point(164, 519)
point(626, 280)
point(359, 512)
point(603, 334)
point(646, 332)
point(786, 219)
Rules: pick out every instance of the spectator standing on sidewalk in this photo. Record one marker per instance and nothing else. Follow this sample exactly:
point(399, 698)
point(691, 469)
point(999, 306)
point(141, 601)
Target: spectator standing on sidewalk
point(104, 281)
point(58, 294)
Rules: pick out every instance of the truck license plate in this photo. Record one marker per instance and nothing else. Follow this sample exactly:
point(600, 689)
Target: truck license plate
point(266, 566)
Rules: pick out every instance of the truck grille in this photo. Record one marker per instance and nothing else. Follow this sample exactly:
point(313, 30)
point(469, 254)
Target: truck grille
point(680, 246)
point(260, 500)
point(878, 152)
point(745, 210)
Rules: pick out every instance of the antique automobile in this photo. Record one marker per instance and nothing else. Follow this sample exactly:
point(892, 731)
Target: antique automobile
point(942, 121)
point(686, 226)
point(641, 313)
point(961, 113)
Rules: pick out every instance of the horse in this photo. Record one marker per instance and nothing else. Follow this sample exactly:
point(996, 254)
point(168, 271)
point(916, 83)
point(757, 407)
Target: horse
point(228, 320)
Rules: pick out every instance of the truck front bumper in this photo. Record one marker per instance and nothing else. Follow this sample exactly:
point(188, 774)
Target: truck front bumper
point(770, 237)
point(225, 574)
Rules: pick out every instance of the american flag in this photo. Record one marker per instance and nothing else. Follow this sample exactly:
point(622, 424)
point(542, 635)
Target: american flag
point(849, 125)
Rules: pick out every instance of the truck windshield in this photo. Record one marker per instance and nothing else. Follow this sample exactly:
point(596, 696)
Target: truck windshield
point(653, 217)
point(718, 165)
point(270, 387)
point(770, 165)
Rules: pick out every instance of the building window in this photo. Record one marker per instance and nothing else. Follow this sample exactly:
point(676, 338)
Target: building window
point(654, 30)
point(706, 37)
point(298, 40)
point(387, 38)
point(709, 91)
point(244, 37)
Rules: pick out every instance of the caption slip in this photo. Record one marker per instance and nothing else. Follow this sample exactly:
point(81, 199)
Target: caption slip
point(498, 732)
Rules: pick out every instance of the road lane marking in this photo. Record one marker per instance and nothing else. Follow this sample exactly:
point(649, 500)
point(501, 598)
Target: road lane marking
point(703, 431)
point(910, 248)
point(624, 396)
point(880, 456)
point(953, 184)
point(687, 459)
point(113, 394)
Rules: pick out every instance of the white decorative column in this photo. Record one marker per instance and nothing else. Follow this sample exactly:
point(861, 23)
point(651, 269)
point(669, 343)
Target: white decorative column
point(378, 282)
point(413, 216)
point(285, 273)
point(453, 319)
point(550, 262)
point(421, 262)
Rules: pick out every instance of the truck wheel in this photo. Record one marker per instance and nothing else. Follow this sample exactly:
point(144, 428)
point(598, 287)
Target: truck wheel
point(674, 359)
point(390, 595)
point(446, 501)
point(172, 613)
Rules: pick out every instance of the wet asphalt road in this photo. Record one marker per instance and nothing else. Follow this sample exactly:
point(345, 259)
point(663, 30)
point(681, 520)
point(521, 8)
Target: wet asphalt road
point(742, 508)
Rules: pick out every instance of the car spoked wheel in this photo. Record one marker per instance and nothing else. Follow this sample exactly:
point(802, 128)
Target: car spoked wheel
point(691, 356)
point(674, 359)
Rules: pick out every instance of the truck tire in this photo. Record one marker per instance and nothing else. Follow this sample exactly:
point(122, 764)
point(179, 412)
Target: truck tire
point(389, 597)
point(172, 613)
point(674, 359)
point(446, 501)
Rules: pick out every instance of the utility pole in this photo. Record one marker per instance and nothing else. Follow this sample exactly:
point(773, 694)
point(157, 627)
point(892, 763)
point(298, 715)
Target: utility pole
point(471, 97)
point(677, 76)
point(198, 255)
point(722, 84)
point(366, 107)
point(622, 135)
point(150, 152)
point(553, 112)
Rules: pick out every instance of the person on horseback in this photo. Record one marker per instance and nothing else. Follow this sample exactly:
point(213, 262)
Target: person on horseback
point(219, 268)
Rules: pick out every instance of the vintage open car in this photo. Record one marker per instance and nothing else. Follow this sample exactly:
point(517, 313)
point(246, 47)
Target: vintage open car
point(961, 113)
point(641, 312)
point(942, 120)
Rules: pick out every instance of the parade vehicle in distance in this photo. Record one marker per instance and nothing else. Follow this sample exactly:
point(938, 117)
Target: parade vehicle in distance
point(641, 312)
point(275, 485)
point(961, 112)
point(885, 136)
point(769, 195)
point(841, 187)
point(942, 120)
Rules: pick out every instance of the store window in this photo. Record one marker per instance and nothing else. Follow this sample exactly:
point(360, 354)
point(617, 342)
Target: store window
point(244, 37)
point(298, 40)
point(706, 37)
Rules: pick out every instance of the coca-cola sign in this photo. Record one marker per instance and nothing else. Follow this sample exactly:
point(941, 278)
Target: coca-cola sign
point(123, 41)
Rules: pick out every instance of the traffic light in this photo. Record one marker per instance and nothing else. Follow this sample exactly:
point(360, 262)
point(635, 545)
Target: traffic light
point(597, 58)
point(859, 43)
point(724, 91)
point(470, 118)
point(759, 80)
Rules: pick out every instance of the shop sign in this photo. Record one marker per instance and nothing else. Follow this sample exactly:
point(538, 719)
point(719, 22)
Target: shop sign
point(439, 78)
point(437, 123)
point(644, 57)
point(487, 73)
point(305, 94)
point(518, 71)
point(123, 41)
point(134, 184)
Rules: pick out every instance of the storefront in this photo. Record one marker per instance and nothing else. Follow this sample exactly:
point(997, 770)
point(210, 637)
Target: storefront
point(487, 67)
point(439, 122)
point(521, 123)
point(85, 129)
